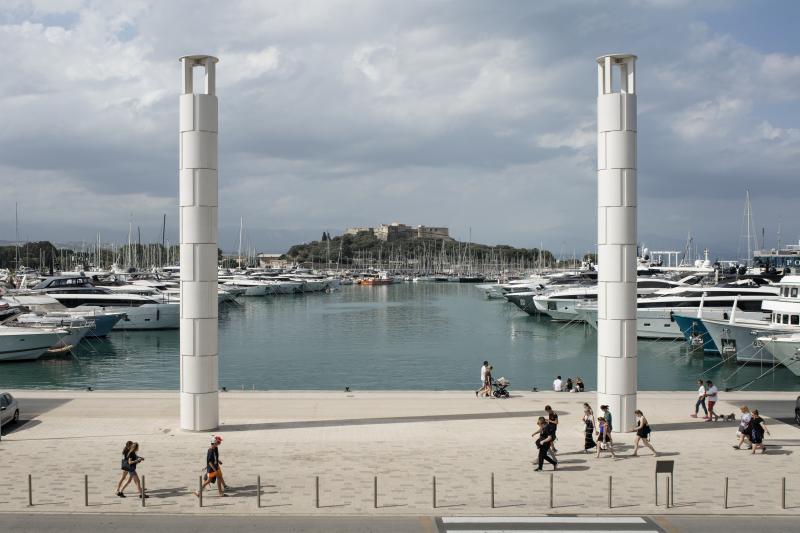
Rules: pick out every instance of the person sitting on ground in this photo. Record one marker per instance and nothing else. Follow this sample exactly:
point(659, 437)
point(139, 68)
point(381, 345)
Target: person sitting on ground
point(744, 428)
point(569, 385)
point(558, 384)
point(758, 427)
point(579, 386)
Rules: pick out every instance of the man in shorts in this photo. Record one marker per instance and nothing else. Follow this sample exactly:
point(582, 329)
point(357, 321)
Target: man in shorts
point(213, 467)
point(712, 397)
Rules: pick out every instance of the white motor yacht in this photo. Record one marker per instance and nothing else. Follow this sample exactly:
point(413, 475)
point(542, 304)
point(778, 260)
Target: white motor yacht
point(655, 313)
point(140, 311)
point(785, 349)
point(27, 344)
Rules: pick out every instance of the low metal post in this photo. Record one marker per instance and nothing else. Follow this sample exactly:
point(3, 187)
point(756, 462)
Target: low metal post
point(200, 491)
point(783, 493)
point(375, 492)
point(86, 490)
point(434, 492)
point(316, 491)
point(143, 492)
point(609, 492)
point(669, 480)
point(258, 492)
point(551, 490)
point(492, 490)
point(725, 495)
point(30, 491)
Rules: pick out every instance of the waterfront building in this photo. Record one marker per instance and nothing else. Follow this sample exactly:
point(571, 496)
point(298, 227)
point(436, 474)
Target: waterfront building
point(778, 258)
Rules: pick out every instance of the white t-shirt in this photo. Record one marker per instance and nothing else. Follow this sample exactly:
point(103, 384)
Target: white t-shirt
point(701, 391)
point(712, 393)
point(483, 373)
point(557, 385)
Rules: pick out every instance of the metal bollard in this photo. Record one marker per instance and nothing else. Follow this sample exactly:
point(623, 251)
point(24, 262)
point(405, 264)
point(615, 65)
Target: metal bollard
point(86, 490)
point(316, 491)
point(143, 492)
point(551, 490)
point(609, 493)
point(492, 490)
point(375, 492)
point(783, 493)
point(30, 491)
point(434, 492)
point(725, 495)
point(258, 492)
point(669, 482)
point(200, 491)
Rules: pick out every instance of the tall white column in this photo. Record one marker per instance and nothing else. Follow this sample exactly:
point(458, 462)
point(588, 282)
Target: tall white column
point(198, 241)
point(616, 238)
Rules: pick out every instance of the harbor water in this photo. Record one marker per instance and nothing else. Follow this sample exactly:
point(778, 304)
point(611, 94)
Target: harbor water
point(431, 336)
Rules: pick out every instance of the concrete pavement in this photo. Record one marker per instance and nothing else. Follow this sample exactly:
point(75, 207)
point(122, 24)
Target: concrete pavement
point(403, 438)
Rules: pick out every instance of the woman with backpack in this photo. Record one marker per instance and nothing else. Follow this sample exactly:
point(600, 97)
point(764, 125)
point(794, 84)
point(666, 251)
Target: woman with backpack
point(642, 433)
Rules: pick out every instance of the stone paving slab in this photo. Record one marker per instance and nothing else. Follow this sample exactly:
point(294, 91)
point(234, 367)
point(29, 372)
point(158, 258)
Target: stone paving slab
point(404, 438)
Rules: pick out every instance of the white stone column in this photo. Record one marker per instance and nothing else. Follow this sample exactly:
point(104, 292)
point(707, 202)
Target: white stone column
point(616, 238)
point(198, 241)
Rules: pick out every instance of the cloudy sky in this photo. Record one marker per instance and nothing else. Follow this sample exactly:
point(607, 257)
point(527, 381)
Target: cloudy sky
point(471, 114)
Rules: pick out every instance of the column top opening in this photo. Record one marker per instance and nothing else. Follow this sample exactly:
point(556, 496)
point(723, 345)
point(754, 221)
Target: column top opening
point(199, 60)
point(617, 58)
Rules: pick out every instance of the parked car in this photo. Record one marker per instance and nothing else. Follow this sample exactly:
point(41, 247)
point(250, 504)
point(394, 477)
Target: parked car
point(797, 411)
point(9, 409)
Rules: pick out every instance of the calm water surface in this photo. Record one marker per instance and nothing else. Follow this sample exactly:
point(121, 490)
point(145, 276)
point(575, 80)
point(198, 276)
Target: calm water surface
point(404, 336)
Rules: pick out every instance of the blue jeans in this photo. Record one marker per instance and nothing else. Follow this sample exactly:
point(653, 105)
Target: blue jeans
point(701, 402)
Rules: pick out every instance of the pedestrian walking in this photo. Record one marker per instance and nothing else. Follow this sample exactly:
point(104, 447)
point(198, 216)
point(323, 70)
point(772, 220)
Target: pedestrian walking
point(588, 423)
point(712, 397)
point(604, 436)
point(484, 368)
point(758, 427)
point(745, 428)
point(642, 434)
point(133, 460)
point(125, 467)
point(544, 442)
point(609, 423)
point(552, 418)
point(213, 468)
point(701, 400)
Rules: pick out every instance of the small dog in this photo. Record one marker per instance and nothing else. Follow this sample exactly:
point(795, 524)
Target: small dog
point(731, 418)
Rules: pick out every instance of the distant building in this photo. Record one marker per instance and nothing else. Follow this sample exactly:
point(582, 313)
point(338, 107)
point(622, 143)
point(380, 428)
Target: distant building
point(271, 261)
point(358, 230)
point(431, 232)
point(393, 231)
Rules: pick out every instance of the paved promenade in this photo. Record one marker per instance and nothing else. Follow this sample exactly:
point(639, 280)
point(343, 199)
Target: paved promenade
point(404, 438)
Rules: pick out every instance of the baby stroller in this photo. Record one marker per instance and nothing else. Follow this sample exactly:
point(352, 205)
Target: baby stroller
point(500, 388)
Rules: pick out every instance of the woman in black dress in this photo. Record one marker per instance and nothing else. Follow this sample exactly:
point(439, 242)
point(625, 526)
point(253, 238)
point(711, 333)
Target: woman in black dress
point(642, 433)
point(758, 427)
point(588, 421)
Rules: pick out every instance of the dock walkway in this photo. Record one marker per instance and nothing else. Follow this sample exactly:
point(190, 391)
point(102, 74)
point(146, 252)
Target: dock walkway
point(345, 440)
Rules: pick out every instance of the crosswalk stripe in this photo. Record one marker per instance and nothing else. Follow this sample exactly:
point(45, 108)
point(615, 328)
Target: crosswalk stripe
point(549, 530)
point(543, 520)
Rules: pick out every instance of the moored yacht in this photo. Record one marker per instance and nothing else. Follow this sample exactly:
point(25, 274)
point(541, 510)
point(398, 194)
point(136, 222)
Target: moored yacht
point(27, 344)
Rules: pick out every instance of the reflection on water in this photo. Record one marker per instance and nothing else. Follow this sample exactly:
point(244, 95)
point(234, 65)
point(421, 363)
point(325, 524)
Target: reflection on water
point(405, 336)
